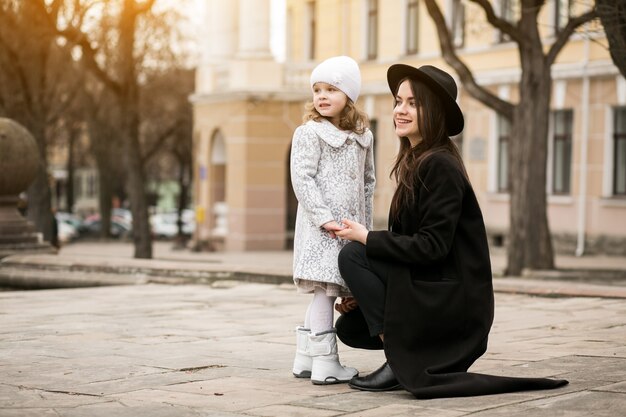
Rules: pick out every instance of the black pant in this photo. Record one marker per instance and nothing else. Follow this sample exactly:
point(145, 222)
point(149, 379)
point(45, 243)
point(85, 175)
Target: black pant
point(367, 280)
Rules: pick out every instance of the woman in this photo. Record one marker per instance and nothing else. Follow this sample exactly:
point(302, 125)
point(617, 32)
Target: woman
point(423, 287)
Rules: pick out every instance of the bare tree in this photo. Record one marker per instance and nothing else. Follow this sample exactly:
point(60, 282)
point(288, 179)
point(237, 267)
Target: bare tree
point(167, 119)
point(613, 17)
point(131, 43)
point(103, 117)
point(37, 83)
point(530, 244)
point(120, 76)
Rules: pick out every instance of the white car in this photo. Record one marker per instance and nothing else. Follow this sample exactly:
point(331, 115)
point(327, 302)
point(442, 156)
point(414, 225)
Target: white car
point(165, 225)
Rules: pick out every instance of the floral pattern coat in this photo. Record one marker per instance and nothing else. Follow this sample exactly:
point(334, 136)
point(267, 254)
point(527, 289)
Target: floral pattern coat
point(332, 174)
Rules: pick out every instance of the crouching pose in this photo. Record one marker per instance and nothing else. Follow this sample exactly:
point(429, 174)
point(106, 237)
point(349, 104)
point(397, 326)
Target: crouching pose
point(423, 288)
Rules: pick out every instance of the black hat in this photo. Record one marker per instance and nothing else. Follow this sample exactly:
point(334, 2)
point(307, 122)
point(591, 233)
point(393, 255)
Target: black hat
point(439, 81)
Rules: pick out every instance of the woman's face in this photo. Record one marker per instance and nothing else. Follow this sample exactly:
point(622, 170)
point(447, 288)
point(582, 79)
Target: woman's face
point(405, 114)
point(329, 101)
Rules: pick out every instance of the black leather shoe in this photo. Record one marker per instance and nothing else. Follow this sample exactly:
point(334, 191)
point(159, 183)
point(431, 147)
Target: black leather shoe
point(381, 379)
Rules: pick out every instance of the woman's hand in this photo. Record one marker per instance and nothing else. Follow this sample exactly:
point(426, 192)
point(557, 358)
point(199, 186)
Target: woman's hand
point(347, 304)
point(332, 227)
point(353, 231)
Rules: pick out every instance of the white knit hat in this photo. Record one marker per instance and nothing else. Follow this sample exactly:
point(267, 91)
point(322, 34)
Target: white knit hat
point(339, 71)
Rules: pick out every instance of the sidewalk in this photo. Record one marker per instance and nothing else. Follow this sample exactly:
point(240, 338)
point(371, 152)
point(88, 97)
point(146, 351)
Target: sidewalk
point(94, 264)
point(226, 349)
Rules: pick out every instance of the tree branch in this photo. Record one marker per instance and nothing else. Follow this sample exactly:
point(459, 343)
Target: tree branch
point(499, 23)
point(19, 72)
point(143, 8)
point(449, 54)
point(567, 31)
point(159, 142)
point(78, 38)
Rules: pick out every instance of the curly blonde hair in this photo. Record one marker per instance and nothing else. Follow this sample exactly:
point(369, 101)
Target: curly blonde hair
point(351, 118)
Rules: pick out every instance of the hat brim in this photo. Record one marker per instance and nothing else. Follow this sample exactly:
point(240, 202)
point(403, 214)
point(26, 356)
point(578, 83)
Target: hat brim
point(454, 117)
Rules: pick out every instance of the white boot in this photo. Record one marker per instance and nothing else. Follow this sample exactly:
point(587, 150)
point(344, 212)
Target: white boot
point(302, 362)
point(326, 368)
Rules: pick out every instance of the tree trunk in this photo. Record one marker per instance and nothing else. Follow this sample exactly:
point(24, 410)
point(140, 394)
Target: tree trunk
point(69, 187)
point(182, 200)
point(105, 195)
point(39, 207)
point(530, 244)
point(613, 17)
point(129, 103)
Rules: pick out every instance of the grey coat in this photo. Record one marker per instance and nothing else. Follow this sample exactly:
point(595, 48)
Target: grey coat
point(332, 174)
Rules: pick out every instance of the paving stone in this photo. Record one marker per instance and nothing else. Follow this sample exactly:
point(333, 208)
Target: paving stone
point(577, 404)
point(157, 350)
point(118, 410)
point(395, 410)
point(291, 411)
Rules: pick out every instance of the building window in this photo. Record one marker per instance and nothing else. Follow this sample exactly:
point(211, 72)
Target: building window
point(310, 31)
point(372, 29)
point(504, 133)
point(562, 155)
point(457, 23)
point(562, 14)
point(412, 26)
point(619, 152)
point(509, 11)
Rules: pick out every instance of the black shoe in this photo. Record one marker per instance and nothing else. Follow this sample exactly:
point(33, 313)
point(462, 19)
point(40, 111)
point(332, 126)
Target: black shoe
point(381, 379)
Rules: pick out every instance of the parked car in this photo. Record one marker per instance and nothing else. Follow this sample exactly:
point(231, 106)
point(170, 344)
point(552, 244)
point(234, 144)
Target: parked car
point(66, 232)
point(119, 228)
point(69, 226)
point(165, 225)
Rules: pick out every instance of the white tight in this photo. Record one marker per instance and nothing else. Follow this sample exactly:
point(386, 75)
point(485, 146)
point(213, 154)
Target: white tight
point(319, 316)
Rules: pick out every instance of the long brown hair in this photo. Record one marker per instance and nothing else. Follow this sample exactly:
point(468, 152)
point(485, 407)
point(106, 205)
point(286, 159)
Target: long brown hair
point(350, 118)
point(431, 123)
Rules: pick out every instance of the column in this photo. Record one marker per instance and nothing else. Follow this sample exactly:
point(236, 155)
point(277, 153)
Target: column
point(254, 29)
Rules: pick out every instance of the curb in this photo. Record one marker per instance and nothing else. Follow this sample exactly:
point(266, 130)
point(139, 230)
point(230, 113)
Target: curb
point(52, 272)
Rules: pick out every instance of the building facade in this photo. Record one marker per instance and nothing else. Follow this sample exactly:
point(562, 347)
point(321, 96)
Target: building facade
point(247, 105)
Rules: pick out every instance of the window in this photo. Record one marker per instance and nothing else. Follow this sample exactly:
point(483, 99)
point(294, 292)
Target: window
point(91, 191)
point(310, 33)
point(504, 132)
point(412, 27)
point(619, 151)
point(457, 23)
point(562, 154)
point(562, 13)
point(372, 29)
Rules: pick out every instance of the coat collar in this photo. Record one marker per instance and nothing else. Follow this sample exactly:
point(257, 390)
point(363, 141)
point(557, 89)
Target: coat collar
point(335, 137)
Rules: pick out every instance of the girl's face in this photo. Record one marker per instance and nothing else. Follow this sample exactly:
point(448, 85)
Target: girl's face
point(405, 114)
point(329, 101)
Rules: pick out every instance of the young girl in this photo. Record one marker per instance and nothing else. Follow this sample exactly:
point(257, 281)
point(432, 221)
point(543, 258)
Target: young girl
point(332, 171)
point(424, 287)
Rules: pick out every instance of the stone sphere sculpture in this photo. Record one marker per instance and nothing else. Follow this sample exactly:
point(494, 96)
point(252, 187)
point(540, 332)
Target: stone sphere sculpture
point(19, 159)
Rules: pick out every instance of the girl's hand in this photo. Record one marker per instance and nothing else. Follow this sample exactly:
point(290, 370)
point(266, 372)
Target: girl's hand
point(353, 231)
point(332, 227)
point(347, 304)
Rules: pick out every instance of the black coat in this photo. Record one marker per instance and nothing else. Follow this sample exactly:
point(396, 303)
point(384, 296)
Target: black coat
point(439, 303)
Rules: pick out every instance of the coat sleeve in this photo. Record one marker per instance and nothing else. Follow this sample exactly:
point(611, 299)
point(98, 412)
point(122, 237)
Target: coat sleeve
point(370, 184)
point(440, 204)
point(305, 158)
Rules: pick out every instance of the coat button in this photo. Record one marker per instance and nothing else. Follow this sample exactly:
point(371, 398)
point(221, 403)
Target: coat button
point(353, 176)
point(353, 212)
point(349, 141)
